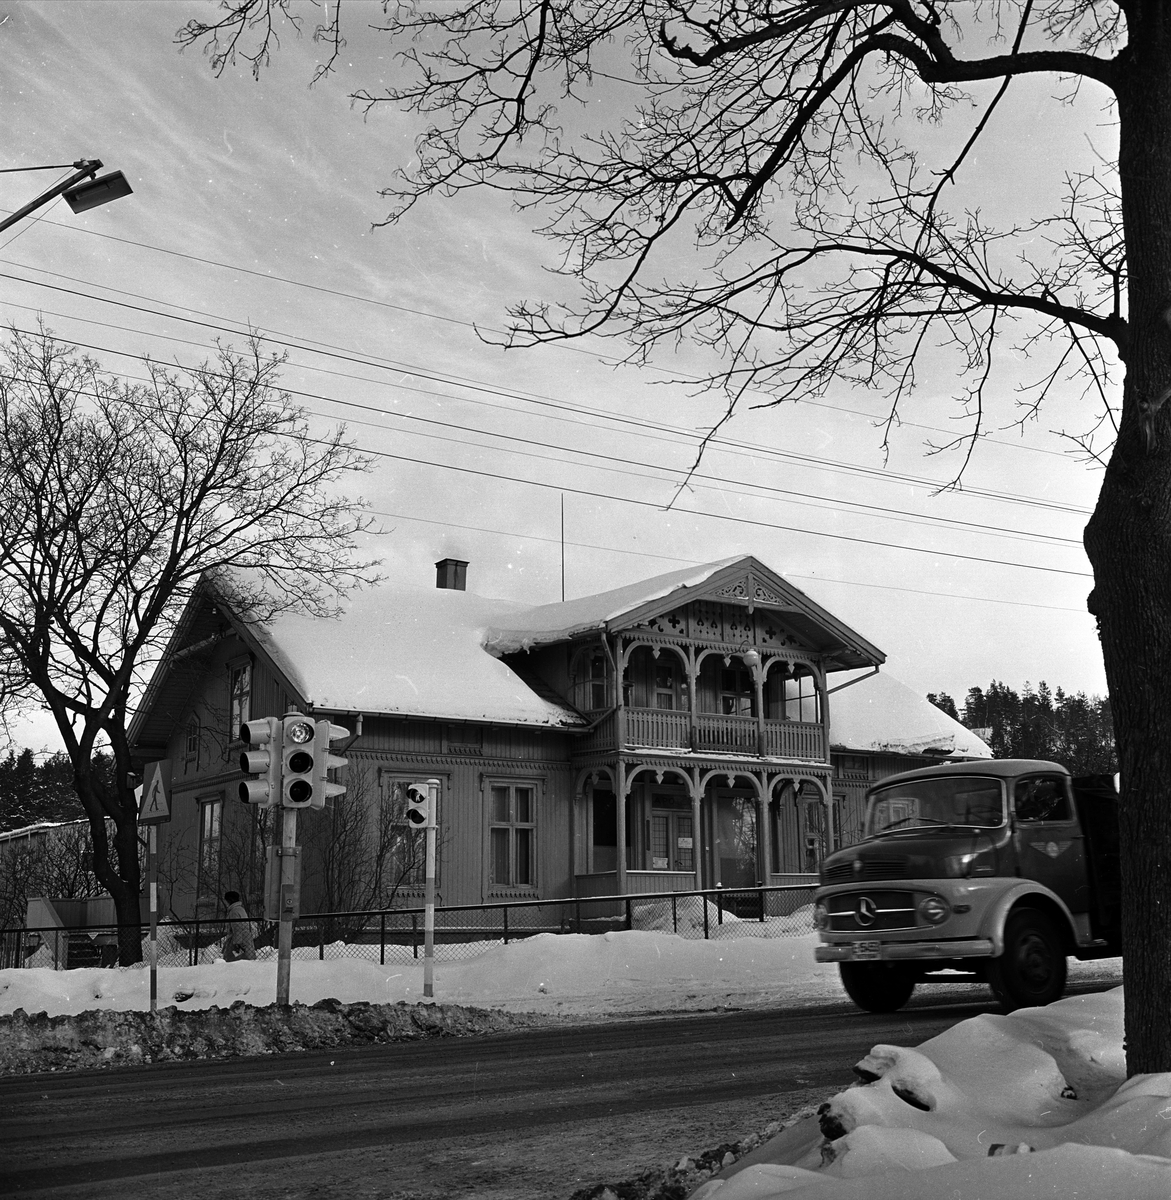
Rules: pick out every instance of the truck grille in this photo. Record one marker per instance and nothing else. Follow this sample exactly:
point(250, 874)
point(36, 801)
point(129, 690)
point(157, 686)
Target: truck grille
point(868, 912)
point(872, 868)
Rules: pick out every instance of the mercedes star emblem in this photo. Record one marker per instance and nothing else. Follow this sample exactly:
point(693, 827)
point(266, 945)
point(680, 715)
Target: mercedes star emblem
point(867, 910)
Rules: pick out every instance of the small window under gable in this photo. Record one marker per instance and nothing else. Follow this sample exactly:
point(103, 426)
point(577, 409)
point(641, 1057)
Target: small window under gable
point(590, 684)
point(240, 691)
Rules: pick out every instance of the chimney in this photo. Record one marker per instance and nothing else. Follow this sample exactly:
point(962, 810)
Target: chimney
point(451, 573)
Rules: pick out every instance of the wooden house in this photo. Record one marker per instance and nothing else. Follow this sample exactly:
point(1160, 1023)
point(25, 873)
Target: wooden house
point(672, 734)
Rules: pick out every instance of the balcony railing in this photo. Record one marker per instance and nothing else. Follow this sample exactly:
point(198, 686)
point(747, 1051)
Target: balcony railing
point(726, 735)
point(716, 733)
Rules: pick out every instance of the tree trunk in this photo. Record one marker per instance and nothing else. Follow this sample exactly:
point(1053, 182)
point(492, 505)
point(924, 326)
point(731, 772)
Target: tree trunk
point(123, 882)
point(1128, 540)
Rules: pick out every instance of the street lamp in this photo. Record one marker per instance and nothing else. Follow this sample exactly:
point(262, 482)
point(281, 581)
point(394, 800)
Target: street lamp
point(79, 195)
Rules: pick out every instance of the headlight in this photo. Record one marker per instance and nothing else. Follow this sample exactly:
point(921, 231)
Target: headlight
point(957, 866)
point(934, 910)
point(820, 916)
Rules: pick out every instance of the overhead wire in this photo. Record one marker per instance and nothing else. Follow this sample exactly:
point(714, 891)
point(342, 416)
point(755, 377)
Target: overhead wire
point(695, 562)
point(568, 346)
point(567, 489)
point(725, 486)
point(836, 466)
point(653, 429)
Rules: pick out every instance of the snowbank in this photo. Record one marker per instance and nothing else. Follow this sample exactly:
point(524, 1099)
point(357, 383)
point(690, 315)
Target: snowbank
point(580, 974)
point(1019, 1107)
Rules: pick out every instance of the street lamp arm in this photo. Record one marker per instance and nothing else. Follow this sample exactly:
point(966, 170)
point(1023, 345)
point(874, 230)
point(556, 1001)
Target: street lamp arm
point(81, 162)
point(87, 166)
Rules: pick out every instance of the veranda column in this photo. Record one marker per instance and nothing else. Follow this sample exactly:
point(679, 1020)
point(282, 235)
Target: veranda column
point(696, 837)
point(620, 808)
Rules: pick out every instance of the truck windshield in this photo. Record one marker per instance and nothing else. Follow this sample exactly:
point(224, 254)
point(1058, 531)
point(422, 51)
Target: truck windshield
point(951, 800)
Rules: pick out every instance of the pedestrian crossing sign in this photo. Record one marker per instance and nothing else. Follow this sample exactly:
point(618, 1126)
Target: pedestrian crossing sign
point(156, 789)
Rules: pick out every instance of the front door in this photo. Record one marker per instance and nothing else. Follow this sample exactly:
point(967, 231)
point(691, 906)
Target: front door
point(672, 835)
point(1048, 839)
point(735, 840)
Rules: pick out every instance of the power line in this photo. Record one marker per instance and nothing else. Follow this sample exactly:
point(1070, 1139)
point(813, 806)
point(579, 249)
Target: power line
point(728, 486)
point(289, 343)
point(612, 359)
point(695, 562)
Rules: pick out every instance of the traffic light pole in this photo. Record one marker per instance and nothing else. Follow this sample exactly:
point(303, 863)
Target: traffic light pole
point(429, 910)
point(288, 861)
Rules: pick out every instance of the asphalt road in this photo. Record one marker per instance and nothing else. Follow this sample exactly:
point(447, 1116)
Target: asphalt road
point(393, 1119)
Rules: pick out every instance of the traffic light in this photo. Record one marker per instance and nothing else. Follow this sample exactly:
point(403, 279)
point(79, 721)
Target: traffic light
point(323, 762)
point(419, 805)
point(263, 759)
point(297, 736)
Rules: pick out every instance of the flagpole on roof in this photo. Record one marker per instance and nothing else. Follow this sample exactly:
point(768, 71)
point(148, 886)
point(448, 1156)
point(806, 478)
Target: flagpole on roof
point(563, 547)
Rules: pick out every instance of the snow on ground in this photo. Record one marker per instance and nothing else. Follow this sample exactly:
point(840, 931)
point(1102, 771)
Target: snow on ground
point(1022, 1107)
point(1034, 1104)
point(573, 974)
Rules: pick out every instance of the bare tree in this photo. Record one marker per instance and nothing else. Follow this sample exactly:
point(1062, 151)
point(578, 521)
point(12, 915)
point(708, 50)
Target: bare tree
point(54, 861)
point(361, 850)
point(115, 498)
point(768, 177)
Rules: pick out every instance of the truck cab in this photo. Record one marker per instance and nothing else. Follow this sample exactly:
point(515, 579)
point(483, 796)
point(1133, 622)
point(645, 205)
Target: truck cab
point(994, 870)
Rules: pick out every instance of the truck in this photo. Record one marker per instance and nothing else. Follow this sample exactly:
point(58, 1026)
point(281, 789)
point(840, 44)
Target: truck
point(996, 870)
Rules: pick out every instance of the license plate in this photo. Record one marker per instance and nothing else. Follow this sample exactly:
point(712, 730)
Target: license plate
point(866, 951)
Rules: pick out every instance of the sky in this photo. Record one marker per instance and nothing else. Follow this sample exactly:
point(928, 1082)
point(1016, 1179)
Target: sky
point(1035, 1103)
point(254, 206)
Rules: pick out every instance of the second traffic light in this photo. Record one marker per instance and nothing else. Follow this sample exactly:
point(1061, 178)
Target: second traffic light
point(263, 758)
point(420, 804)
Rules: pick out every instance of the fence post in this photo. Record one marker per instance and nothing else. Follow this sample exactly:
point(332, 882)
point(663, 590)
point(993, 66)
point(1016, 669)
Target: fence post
point(321, 941)
point(762, 899)
point(504, 910)
point(629, 915)
point(706, 931)
point(674, 916)
point(414, 935)
point(577, 907)
point(382, 941)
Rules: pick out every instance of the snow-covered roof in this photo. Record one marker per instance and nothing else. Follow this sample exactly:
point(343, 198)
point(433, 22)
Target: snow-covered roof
point(436, 652)
point(884, 715)
point(411, 652)
point(561, 621)
point(741, 577)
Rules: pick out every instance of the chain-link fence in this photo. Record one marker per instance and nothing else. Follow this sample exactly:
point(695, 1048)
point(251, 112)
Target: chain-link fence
point(461, 931)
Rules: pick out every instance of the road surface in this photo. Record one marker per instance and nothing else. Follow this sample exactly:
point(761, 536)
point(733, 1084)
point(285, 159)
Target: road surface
point(507, 1117)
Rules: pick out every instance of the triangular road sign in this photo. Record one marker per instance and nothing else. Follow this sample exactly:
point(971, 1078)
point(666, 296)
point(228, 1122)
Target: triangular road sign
point(156, 803)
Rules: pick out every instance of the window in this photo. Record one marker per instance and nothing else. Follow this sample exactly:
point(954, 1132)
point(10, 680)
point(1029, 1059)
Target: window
point(737, 692)
point(793, 696)
point(191, 744)
point(591, 680)
point(407, 843)
point(666, 683)
point(655, 682)
point(240, 685)
point(211, 814)
point(1041, 799)
point(512, 835)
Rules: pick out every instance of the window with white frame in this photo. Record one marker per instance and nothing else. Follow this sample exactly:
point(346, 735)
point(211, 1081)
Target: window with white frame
point(211, 815)
point(191, 744)
point(240, 690)
point(591, 680)
point(512, 834)
point(792, 694)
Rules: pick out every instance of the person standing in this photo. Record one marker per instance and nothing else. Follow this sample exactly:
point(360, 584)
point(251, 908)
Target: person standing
point(238, 944)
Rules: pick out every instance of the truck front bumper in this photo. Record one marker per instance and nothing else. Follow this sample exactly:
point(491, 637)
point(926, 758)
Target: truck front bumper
point(895, 951)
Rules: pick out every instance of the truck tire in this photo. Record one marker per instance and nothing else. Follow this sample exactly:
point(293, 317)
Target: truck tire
point(1031, 971)
point(877, 987)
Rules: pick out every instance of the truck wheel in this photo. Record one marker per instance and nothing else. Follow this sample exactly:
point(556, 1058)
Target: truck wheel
point(1031, 971)
point(876, 987)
